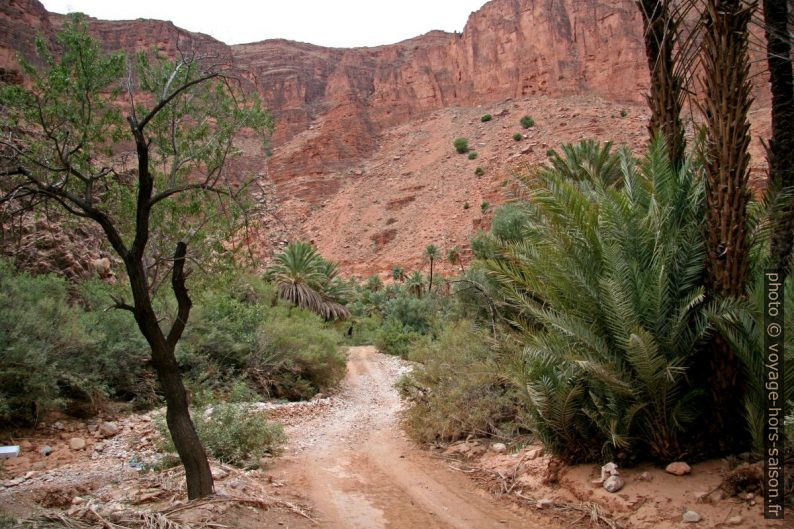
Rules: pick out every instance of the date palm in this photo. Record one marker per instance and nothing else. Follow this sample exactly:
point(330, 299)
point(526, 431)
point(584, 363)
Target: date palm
point(430, 255)
point(304, 278)
point(454, 258)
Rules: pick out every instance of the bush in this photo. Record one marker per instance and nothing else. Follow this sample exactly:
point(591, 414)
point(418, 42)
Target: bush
point(395, 338)
point(459, 389)
point(298, 357)
point(614, 308)
point(479, 171)
point(232, 433)
point(472, 155)
point(486, 117)
point(510, 222)
point(527, 122)
point(623, 113)
point(461, 145)
point(466, 204)
point(280, 351)
point(518, 136)
point(485, 206)
point(55, 354)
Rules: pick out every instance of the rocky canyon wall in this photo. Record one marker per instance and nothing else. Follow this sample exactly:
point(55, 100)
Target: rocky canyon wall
point(341, 98)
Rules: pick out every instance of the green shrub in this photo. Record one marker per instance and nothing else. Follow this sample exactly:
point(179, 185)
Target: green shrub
point(486, 117)
point(412, 313)
point(461, 145)
point(614, 308)
point(279, 351)
point(472, 155)
point(527, 122)
point(297, 357)
point(363, 331)
point(395, 338)
point(485, 206)
point(484, 246)
point(56, 354)
point(510, 222)
point(623, 113)
point(479, 171)
point(459, 388)
point(518, 136)
point(466, 204)
point(232, 433)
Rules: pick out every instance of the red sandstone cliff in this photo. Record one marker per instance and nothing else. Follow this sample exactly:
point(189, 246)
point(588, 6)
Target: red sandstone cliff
point(509, 48)
point(362, 158)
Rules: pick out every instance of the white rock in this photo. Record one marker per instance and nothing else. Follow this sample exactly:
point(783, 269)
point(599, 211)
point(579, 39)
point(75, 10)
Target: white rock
point(690, 517)
point(499, 448)
point(544, 503)
point(613, 484)
point(734, 520)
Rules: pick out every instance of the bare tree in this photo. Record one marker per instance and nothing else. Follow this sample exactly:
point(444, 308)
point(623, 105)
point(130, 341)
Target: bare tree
point(64, 140)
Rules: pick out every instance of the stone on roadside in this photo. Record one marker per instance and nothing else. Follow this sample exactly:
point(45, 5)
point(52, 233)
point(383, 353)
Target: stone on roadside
point(734, 520)
point(544, 503)
point(613, 483)
point(76, 443)
point(690, 517)
point(108, 429)
point(678, 468)
point(499, 448)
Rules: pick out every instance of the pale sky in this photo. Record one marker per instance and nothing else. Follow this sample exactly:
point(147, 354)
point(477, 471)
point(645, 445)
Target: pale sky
point(337, 23)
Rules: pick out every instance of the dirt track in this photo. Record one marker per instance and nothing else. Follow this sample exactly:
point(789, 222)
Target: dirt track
point(357, 469)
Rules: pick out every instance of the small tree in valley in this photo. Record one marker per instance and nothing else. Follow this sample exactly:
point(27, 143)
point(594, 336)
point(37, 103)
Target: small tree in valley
point(139, 147)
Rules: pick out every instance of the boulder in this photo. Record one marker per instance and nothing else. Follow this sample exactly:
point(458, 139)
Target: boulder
point(77, 443)
point(108, 429)
point(544, 503)
point(499, 448)
point(690, 516)
point(613, 484)
point(678, 468)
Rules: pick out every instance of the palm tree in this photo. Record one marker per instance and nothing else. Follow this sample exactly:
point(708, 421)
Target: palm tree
point(666, 97)
point(398, 273)
point(454, 258)
point(727, 97)
point(416, 283)
point(431, 254)
point(608, 285)
point(307, 280)
point(781, 145)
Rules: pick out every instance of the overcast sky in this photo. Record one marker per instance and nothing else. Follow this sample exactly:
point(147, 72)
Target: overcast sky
point(340, 23)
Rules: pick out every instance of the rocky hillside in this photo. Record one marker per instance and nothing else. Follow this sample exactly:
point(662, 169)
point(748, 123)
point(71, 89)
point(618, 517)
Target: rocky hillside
point(362, 160)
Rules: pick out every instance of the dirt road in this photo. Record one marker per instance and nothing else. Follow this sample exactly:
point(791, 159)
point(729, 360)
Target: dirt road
point(355, 467)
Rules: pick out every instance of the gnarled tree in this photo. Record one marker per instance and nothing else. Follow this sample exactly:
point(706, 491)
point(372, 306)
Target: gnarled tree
point(65, 140)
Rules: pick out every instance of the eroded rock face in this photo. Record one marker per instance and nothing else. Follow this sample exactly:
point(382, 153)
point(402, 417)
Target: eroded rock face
point(336, 110)
point(341, 98)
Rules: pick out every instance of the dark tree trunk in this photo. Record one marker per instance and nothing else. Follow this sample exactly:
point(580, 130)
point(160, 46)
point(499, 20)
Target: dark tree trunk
point(781, 145)
point(188, 446)
point(430, 283)
point(726, 83)
point(666, 95)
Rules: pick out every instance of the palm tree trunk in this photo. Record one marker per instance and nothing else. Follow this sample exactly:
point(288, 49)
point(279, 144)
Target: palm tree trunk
point(726, 83)
point(666, 95)
point(430, 282)
point(781, 145)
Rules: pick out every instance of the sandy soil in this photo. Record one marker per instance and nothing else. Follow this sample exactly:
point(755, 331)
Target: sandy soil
point(359, 472)
point(349, 465)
